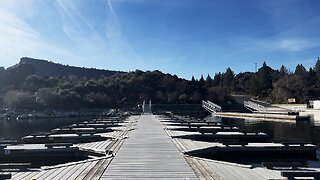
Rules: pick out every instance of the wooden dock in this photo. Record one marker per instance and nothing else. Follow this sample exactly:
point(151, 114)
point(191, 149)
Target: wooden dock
point(92, 168)
point(143, 148)
point(216, 169)
point(77, 170)
point(149, 153)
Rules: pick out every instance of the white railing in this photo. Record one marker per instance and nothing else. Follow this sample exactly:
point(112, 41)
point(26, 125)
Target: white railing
point(254, 106)
point(146, 108)
point(211, 107)
point(143, 105)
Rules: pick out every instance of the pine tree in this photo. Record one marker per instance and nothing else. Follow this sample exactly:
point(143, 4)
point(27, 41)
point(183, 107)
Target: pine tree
point(317, 71)
point(217, 80)
point(312, 78)
point(228, 77)
point(209, 81)
point(301, 71)
point(264, 77)
point(317, 67)
point(193, 80)
point(283, 70)
point(264, 64)
point(201, 81)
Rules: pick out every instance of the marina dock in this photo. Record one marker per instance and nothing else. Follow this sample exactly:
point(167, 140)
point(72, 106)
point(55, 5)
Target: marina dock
point(258, 111)
point(211, 168)
point(152, 147)
point(149, 153)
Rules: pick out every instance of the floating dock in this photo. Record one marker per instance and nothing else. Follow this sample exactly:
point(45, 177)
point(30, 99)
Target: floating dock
point(143, 147)
point(149, 154)
point(258, 111)
point(220, 169)
point(100, 153)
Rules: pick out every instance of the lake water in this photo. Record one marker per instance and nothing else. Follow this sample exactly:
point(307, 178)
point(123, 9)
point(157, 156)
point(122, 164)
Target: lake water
point(14, 129)
point(279, 131)
point(302, 131)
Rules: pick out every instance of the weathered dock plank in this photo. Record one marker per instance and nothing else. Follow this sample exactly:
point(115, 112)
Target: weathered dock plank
point(99, 147)
point(226, 170)
point(87, 169)
point(213, 169)
point(77, 170)
point(149, 154)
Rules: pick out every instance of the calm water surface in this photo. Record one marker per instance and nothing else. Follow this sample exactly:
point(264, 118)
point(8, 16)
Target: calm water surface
point(280, 131)
point(302, 131)
point(14, 129)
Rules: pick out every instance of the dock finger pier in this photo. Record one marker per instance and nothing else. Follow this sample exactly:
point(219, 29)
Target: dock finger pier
point(152, 146)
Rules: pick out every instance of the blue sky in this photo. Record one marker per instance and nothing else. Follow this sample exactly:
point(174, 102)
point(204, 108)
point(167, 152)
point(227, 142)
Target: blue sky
point(183, 37)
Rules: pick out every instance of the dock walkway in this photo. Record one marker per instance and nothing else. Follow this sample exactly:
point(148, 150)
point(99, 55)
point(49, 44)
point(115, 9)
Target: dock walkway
point(149, 153)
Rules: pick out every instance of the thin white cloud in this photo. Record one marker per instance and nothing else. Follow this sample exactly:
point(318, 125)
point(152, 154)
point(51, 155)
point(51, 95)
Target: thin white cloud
point(111, 9)
point(75, 25)
point(270, 45)
point(296, 44)
point(20, 35)
point(280, 44)
point(295, 26)
point(113, 27)
point(18, 38)
point(118, 45)
point(307, 62)
point(109, 46)
point(295, 30)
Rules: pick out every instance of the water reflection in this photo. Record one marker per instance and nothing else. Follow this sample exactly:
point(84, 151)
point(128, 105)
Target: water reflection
point(315, 122)
point(14, 129)
point(280, 131)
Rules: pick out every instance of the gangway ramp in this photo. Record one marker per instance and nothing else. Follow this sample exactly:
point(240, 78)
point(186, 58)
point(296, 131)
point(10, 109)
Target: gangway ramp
point(258, 107)
point(211, 107)
point(252, 106)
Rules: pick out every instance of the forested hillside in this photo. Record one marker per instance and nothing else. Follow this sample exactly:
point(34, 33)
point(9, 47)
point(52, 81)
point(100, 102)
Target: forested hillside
point(51, 69)
point(277, 86)
point(126, 89)
point(22, 88)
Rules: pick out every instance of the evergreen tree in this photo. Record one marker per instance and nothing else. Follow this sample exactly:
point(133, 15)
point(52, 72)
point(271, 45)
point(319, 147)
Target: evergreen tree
point(193, 81)
point(209, 81)
point(264, 64)
point(254, 87)
point(317, 72)
point(228, 77)
point(283, 71)
point(300, 71)
point(317, 67)
point(217, 80)
point(312, 78)
point(264, 77)
point(201, 81)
